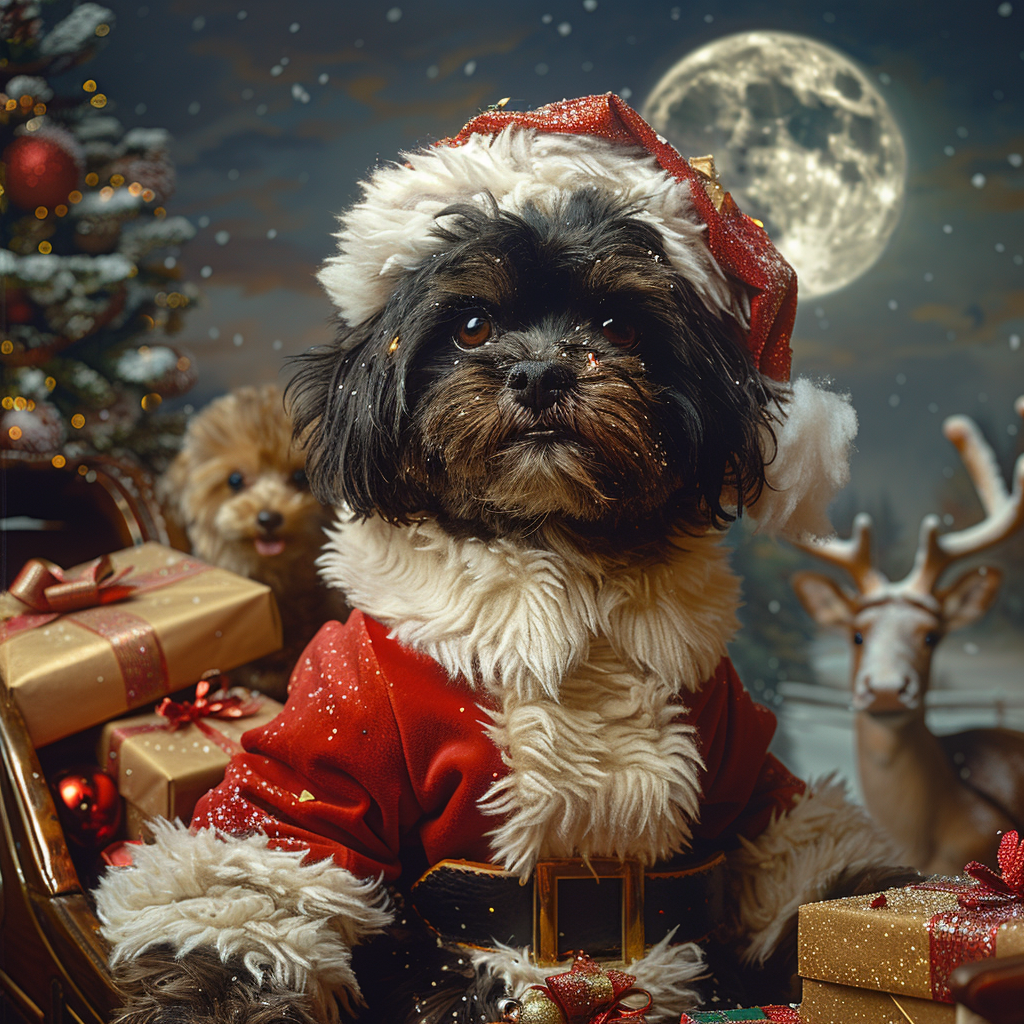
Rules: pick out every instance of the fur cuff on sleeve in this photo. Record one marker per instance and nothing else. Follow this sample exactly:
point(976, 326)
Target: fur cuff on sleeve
point(797, 859)
point(811, 464)
point(244, 899)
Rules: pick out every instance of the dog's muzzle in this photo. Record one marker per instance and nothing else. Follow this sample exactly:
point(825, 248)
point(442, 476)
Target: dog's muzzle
point(608, 908)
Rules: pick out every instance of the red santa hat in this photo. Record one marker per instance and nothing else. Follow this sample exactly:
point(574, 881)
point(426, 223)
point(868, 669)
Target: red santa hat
point(536, 156)
point(520, 158)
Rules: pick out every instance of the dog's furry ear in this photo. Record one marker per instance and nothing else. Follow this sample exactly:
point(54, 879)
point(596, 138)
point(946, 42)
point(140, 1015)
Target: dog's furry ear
point(348, 406)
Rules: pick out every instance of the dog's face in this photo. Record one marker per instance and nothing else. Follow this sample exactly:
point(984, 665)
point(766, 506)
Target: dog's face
point(549, 366)
point(240, 490)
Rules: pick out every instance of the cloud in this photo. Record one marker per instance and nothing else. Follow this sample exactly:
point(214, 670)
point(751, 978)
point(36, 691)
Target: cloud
point(979, 322)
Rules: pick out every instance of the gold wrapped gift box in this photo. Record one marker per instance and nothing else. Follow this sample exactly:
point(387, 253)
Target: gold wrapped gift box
point(825, 1003)
point(164, 772)
point(89, 665)
point(879, 958)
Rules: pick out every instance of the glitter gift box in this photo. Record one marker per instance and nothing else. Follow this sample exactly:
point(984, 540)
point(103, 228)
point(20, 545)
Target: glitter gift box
point(85, 645)
point(886, 959)
point(162, 770)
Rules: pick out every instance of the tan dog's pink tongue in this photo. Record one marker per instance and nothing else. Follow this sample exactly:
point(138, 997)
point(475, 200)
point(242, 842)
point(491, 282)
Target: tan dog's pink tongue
point(269, 547)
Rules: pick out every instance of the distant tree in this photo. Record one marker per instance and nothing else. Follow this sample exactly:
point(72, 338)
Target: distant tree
point(772, 645)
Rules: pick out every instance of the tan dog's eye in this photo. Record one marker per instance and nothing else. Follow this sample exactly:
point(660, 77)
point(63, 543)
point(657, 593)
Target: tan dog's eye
point(236, 481)
point(473, 331)
point(299, 479)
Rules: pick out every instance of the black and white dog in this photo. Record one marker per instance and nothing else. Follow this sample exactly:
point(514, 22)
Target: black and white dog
point(561, 372)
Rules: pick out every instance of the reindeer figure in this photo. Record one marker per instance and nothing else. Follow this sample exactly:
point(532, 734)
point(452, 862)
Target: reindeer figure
point(943, 799)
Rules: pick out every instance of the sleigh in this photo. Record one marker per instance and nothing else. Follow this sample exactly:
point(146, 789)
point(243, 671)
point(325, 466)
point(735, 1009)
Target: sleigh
point(53, 959)
point(53, 967)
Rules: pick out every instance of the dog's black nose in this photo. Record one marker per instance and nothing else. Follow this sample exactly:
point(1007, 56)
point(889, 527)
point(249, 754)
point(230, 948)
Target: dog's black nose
point(269, 520)
point(538, 384)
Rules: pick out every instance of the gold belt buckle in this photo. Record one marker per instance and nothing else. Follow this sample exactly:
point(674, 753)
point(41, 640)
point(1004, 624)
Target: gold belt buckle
point(545, 902)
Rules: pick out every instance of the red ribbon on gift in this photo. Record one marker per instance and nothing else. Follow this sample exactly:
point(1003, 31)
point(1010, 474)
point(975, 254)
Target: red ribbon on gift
point(223, 704)
point(50, 592)
point(586, 994)
point(45, 587)
point(968, 933)
point(86, 597)
point(1009, 883)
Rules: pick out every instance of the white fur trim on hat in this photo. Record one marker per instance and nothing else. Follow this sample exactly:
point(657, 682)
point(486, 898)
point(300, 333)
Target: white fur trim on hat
point(811, 464)
point(244, 899)
point(390, 230)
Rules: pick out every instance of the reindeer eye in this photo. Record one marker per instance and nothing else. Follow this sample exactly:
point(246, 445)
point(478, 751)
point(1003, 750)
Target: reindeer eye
point(473, 331)
point(618, 331)
point(931, 638)
point(858, 638)
point(236, 481)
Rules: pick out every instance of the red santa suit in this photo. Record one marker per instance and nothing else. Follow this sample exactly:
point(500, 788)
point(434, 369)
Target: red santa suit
point(378, 749)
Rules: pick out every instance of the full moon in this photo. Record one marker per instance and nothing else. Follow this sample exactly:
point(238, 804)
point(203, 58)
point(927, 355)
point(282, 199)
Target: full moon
point(802, 139)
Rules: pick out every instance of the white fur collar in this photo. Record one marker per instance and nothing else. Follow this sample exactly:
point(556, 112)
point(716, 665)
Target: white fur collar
point(515, 618)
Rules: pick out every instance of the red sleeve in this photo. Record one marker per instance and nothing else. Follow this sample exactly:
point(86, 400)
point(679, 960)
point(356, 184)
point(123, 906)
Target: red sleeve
point(743, 785)
point(375, 748)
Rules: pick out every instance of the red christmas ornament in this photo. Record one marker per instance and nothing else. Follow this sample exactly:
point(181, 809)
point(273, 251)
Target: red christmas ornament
point(89, 806)
point(42, 170)
point(17, 307)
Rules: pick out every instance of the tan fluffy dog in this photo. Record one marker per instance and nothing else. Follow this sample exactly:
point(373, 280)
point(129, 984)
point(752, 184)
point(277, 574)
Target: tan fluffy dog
point(238, 489)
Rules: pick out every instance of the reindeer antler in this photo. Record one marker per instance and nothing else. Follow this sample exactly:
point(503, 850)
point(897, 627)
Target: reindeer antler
point(853, 555)
point(1004, 510)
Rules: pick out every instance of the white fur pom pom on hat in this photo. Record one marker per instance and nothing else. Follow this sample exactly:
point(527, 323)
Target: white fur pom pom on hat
point(811, 464)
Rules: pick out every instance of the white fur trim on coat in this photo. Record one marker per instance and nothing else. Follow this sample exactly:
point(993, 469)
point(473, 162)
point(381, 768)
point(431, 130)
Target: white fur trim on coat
point(797, 858)
point(390, 231)
point(665, 971)
point(811, 464)
point(607, 770)
point(583, 656)
point(515, 616)
point(244, 899)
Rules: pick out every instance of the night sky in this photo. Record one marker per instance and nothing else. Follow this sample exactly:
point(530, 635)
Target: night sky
point(276, 111)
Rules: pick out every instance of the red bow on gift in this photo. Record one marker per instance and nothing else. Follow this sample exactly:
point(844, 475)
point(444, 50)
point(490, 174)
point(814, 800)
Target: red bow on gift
point(1009, 883)
point(224, 705)
point(586, 994)
point(45, 587)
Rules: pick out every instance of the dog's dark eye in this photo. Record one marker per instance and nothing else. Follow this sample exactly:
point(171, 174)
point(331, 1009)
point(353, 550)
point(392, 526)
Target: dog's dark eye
point(473, 331)
point(236, 481)
point(618, 331)
point(299, 479)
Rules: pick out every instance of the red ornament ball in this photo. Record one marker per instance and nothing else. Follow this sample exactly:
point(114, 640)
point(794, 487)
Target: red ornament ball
point(42, 170)
point(17, 306)
point(89, 806)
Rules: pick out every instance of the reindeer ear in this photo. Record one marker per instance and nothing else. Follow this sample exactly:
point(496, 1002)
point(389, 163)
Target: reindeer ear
point(966, 600)
point(823, 599)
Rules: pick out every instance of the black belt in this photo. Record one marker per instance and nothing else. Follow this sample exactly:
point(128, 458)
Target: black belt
point(607, 908)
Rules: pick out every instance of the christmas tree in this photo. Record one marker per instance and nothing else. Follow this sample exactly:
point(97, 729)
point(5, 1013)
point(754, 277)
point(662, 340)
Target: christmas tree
point(91, 289)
